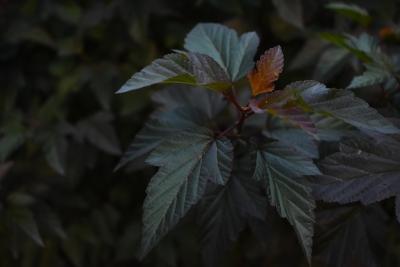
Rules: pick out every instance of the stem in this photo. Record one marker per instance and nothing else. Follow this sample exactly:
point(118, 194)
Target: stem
point(244, 113)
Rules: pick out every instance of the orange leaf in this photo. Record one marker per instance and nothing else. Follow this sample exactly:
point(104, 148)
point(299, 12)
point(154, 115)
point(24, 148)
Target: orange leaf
point(267, 71)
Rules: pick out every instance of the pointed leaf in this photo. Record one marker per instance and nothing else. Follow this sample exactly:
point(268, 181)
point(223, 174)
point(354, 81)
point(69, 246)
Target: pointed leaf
point(364, 170)
point(185, 169)
point(235, 55)
point(224, 212)
point(171, 68)
point(340, 104)
point(280, 169)
point(267, 71)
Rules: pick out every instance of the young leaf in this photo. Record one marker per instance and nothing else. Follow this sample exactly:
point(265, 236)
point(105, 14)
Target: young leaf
point(224, 212)
point(281, 169)
point(351, 11)
point(235, 55)
point(364, 170)
point(187, 162)
point(267, 71)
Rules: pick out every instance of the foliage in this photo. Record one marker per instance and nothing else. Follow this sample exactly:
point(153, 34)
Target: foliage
point(252, 162)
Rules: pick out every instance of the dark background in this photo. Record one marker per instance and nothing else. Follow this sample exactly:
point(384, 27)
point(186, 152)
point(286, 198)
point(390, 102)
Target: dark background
point(63, 130)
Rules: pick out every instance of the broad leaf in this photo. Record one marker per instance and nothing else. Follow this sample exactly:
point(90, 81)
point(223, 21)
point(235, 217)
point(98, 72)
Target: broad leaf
point(350, 236)
point(208, 73)
point(173, 68)
point(224, 213)
point(372, 76)
point(187, 162)
point(281, 168)
point(341, 105)
point(233, 53)
point(267, 71)
point(181, 108)
point(363, 170)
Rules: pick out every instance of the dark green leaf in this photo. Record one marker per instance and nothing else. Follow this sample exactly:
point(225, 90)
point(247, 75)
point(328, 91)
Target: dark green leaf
point(281, 168)
point(235, 55)
point(351, 11)
point(187, 162)
point(342, 105)
point(224, 212)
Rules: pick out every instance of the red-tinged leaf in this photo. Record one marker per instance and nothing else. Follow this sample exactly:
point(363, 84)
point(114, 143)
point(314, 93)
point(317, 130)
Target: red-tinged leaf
point(267, 71)
point(295, 116)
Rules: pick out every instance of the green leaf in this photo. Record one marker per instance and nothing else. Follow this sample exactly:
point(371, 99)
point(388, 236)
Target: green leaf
point(372, 76)
point(281, 168)
point(172, 68)
point(351, 11)
point(208, 73)
point(98, 130)
point(24, 219)
point(340, 104)
point(290, 11)
point(233, 53)
point(187, 162)
point(159, 127)
point(330, 63)
point(224, 213)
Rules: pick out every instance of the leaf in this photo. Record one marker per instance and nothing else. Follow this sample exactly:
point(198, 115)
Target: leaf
point(290, 11)
point(281, 168)
point(13, 136)
point(97, 129)
point(172, 68)
point(224, 213)
point(187, 162)
point(159, 127)
point(330, 63)
point(363, 170)
point(294, 116)
point(291, 136)
point(350, 236)
point(267, 71)
point(341, 105)
point(351, 11)
point(372, 76)
point(24, 219)
point(56, 149)
point(208, 73)
point(235, 55)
